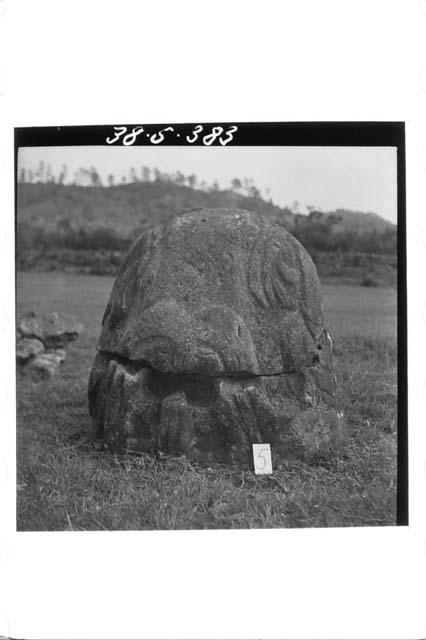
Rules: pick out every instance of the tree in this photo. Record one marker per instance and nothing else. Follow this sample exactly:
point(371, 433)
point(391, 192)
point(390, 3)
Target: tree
point(295, 207)
point(192, 180)
point(179, 178)
point(247, 185)
point(63, 174)
point(40, 172)
point(95, 177)
point(236, 184)
point(315, 215)
point(146, 174)
point(110, 180)
point(132, 175)
point(64, 227)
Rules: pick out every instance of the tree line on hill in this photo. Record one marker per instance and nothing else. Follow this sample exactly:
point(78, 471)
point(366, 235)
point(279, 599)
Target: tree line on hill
point(317, 232)
point(93, 227)
point(90, 177)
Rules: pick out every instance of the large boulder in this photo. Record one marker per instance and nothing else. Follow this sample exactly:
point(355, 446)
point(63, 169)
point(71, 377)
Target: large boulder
point(55, 329)
point(213, 339)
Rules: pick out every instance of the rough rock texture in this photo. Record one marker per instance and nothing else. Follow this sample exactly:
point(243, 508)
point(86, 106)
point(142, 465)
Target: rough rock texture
point(45, 365)
point(61, 354)
point(214, 339)
point(37, 354)
point(27, 348)
point(54, 330)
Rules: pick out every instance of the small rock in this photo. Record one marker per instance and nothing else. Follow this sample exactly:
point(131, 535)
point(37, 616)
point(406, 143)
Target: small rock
point(61, 353)
point(28, 348)
point(54, 329)
point(45, 365)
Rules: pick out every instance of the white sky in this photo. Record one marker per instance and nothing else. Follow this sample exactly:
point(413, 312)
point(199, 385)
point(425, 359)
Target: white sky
point(359, 178)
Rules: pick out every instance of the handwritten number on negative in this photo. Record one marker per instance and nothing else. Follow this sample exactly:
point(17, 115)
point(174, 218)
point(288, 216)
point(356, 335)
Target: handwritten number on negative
point(229, 133)
point(131, 137)
point(198, 129)
point(128, 139)
point(217, 134)
point(159, 137)
point(119, 131)
point(262, 459)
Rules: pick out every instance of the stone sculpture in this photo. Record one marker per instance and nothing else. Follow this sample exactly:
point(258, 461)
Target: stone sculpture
point(213, 339)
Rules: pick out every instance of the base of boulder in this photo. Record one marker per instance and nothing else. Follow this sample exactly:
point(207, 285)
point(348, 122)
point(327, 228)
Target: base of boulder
point(213, 419)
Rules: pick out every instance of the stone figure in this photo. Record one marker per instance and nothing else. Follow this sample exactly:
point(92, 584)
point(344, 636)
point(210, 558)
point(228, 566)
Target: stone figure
point(213, 340)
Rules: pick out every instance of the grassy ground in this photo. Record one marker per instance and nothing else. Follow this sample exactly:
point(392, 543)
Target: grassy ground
point(65, 483)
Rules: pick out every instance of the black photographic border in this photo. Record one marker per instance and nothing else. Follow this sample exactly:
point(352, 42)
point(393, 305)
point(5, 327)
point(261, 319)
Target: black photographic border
point(324, 134)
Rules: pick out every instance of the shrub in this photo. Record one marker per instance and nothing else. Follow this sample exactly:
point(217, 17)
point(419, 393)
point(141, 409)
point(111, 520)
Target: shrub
point(368, 281)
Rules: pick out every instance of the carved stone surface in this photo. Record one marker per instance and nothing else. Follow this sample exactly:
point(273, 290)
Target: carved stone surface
point(213, 339)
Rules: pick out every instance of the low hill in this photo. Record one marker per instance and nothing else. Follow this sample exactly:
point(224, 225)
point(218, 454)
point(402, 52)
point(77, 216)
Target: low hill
point(127, 208)
point(70, 222)
point(358, 221)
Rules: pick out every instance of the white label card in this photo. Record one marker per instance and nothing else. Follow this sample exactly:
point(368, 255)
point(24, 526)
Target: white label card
point(262, 459)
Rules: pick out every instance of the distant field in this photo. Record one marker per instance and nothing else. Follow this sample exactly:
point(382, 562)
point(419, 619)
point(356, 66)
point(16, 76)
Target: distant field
point(64, 483)
point(360, 311)
point(349, 310)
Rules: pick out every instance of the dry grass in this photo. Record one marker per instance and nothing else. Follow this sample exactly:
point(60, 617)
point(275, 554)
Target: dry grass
point(65, 483)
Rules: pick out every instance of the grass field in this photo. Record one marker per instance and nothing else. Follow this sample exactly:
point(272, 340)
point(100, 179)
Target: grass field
point(65, 483)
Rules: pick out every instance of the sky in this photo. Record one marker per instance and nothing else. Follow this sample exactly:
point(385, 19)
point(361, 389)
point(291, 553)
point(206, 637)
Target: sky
point(357, 178)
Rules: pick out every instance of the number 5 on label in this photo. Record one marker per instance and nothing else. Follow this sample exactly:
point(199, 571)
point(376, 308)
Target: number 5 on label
point(262, 458)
